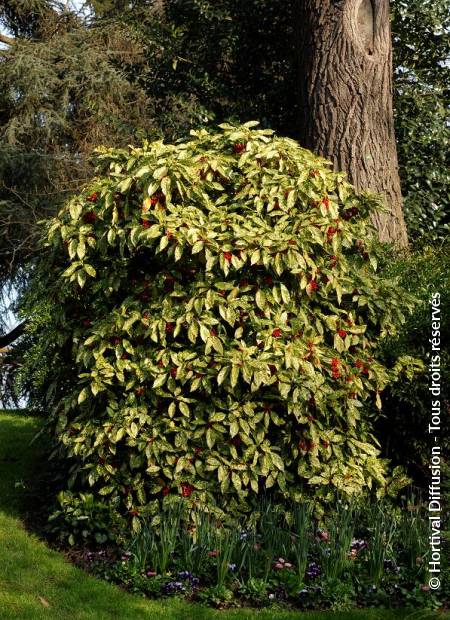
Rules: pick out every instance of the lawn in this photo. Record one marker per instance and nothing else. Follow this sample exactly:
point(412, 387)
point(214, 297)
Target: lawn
point(37, 582)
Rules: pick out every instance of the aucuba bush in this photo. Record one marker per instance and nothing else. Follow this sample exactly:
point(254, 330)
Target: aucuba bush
point(217, 314)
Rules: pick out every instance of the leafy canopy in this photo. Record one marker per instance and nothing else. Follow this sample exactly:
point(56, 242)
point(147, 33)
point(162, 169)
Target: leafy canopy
point(216, 320)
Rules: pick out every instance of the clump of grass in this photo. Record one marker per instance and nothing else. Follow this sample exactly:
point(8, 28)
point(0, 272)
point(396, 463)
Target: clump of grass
point(301, 535)
point(382, 528)
point(335, 549)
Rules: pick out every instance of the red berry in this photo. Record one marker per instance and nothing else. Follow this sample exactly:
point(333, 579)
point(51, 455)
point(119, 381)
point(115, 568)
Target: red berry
point(146, 223)
point(326, 202)
point(238, 147)
point(335, 362)
point(228, 256)
point(186, 489)
point(165, 491)
point(169, 328)
point(173, 372)
point(276, 332)
point(313, 285)
point(213, 333)
point(342, 333)
point(93, 197)
point(359, 364)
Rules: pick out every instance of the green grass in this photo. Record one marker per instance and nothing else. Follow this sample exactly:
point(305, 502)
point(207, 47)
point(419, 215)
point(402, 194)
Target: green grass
point(37, 583)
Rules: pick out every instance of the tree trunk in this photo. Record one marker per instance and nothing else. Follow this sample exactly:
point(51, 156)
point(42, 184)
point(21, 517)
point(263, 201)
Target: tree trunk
point(345, 92)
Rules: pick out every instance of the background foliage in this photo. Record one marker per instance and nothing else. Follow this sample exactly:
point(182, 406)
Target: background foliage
point(71, 81)
point(421, 80)
point(423, 273)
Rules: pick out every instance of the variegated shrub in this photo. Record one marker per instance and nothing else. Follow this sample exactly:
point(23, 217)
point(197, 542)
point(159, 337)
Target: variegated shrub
point(218, 309)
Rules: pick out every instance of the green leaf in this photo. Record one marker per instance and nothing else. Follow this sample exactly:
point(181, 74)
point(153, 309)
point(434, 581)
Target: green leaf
point(236, 480)
point(210, 438)
point(234, 428)
point(159, 173)
point(184, 409)
point(277, 461)
point(222, 375)
point(82, 395)
point(159, 381)
point(111, 236)
point(234, 375)
point(124, 185)
point(75, 210)
point(140, 173)
point(260, 299)
point(90, 270)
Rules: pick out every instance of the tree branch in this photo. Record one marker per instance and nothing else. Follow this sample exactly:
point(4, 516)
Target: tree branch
point(7, 40)
point(7, 339)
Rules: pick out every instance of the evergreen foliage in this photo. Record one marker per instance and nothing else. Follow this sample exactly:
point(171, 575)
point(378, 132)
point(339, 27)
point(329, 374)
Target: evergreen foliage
point(215, 325)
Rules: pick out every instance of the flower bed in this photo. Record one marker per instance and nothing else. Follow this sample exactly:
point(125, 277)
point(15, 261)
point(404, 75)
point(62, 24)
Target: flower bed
point(368, 558)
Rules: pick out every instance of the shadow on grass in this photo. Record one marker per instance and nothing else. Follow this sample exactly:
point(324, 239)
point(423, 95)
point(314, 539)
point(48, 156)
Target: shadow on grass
point(20, 465)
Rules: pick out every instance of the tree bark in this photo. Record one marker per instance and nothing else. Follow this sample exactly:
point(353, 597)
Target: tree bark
point(345, 98)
